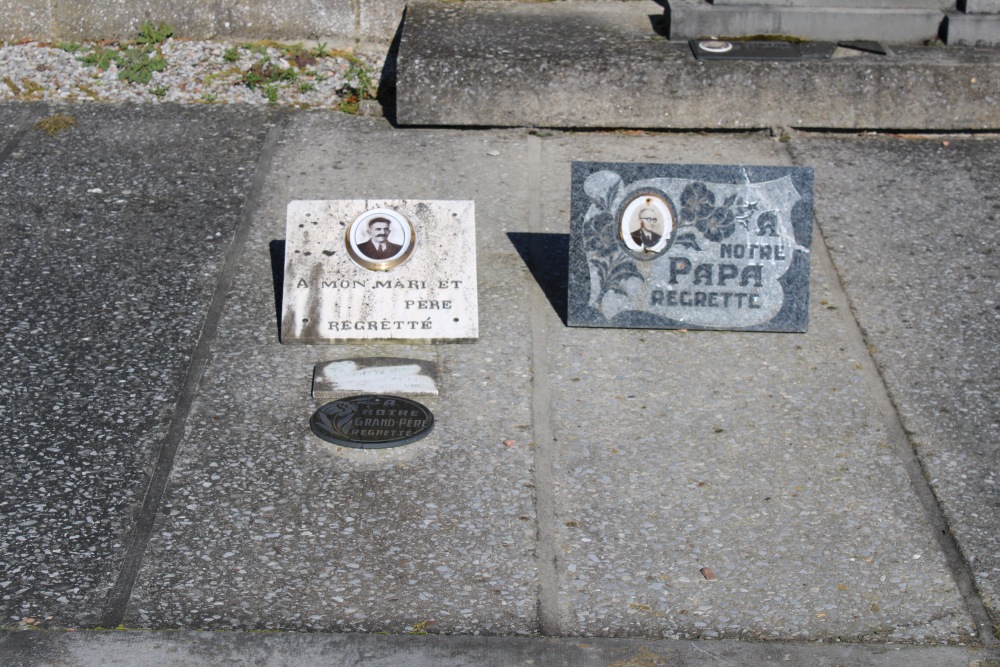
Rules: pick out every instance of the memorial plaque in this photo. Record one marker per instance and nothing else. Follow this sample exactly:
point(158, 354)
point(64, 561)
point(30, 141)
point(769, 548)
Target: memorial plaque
point(377, 375)
point(380, 269)
point(372, 422)
point(713, 49)
point(690, 246)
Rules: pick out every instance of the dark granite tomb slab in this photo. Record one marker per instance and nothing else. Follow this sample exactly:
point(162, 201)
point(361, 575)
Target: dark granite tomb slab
point(114, 235)
point(729, 246)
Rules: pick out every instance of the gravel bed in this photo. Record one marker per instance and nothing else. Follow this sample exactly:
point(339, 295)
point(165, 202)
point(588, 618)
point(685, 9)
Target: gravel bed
point(196, 72)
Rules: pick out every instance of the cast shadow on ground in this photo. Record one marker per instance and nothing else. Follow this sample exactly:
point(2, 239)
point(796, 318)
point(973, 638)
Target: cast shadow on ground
point(386, 95)
point(547, 257)
point(277, 248)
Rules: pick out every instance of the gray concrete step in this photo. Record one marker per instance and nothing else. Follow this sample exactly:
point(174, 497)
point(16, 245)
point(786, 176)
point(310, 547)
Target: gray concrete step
point(871, 4)
point(602, 65)
point(979, 30)
point(979, 6)
point(690, 19)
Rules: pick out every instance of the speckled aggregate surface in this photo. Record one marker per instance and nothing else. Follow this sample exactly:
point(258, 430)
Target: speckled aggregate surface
point(603, 64)
point(760, 457)
point(266, 526)
point(189, 648)
point(578, 482)
point(914, 226)
point(113, 236)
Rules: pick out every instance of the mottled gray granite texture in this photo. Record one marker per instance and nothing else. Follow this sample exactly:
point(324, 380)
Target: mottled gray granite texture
point(113, 235)
point(730, 246)
point(914, 225)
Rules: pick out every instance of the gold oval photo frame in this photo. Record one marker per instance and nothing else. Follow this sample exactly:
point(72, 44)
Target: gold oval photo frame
point(360, 239)
point(662, 229)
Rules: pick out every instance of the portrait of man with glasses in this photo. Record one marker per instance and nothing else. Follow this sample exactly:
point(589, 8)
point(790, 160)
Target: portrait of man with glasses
point(650, 229)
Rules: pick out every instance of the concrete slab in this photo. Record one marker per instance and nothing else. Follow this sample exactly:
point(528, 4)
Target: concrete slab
point(194, 649)
point(114, 233)
point(762, 457)
point(603, 65)
point(773, 459)
point(691, 19)
point(979, 6)
point(979, 30)
point(925, 211)
point(265, 526)
point(378, 20)
point(15, 120)
point(297, 19)
point(871, 4)
point(24, 20)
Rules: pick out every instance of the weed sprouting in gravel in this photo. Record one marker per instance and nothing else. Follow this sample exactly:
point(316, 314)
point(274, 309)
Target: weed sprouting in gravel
point(136, 62)
point(359, 86)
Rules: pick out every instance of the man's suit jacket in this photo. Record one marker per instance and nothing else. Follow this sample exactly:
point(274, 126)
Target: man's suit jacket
point(369, 250)
point(649, 243)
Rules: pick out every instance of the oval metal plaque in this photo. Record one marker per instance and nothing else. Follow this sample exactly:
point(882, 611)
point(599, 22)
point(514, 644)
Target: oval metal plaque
point(372, 422)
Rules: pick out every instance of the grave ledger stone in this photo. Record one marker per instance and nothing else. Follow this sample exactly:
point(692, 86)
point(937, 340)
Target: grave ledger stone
point(401, 270)
point(690, 246)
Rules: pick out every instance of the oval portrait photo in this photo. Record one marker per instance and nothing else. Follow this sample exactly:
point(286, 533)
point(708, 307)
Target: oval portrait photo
point(380, 239)
point(647, 225)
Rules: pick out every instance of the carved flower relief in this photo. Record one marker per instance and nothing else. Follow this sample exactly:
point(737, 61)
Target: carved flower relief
point(599, 231)
point(697, 202)
point(717, 225)
point(698, 208)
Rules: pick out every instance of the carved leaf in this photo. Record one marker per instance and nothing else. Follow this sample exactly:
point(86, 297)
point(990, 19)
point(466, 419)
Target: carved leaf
point(603, 188)
point(324, 420)
point(688, 240)
point(344, 421)
point(602, 269)
point(624, 271)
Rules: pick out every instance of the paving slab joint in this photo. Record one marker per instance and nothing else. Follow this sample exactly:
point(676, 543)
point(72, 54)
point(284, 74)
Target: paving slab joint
point(898, 437)
point(117, 600)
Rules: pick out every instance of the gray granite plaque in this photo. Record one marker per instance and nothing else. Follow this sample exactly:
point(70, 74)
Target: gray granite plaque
point(690, 246)
point(401, 270)
point(375, 375)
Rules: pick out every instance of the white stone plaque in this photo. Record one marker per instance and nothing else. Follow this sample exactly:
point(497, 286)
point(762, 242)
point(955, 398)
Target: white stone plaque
point(375, 375)
point(380, 269)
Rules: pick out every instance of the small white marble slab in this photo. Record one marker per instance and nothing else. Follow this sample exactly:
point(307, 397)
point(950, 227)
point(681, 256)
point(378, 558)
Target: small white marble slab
point(375, 375)
point(418, 287)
